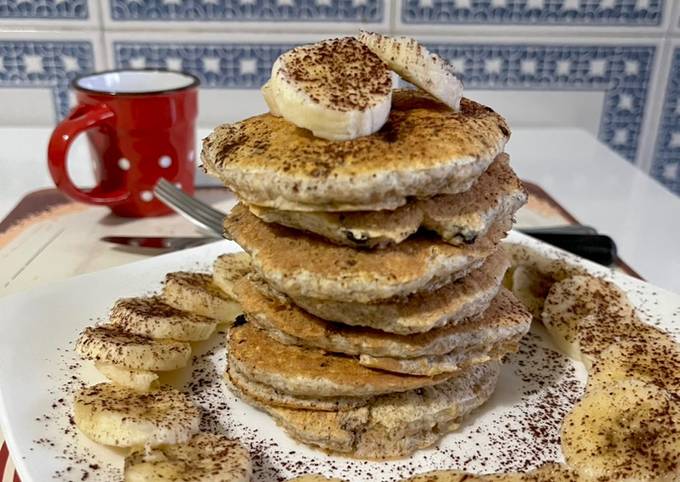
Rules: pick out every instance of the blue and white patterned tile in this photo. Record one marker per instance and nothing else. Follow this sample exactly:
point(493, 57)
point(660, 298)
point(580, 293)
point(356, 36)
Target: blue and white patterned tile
point(254, 15)
point(535, 16)
point(36, 69)
point(22, 14)
point(609, 79)
point(666, 160)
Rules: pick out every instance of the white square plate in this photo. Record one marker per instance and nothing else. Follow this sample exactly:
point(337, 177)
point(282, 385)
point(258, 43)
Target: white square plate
point(516, 430)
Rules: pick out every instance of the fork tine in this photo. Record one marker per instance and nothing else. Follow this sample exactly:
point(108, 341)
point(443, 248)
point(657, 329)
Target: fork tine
point(198, 219)
point(214, 221)
point(193, 216)
point(180, 205)
point(173, 192)
point(199, 206)
point(189, 207)
point(172, 189)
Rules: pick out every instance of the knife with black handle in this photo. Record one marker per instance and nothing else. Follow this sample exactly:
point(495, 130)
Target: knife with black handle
point(594, 247)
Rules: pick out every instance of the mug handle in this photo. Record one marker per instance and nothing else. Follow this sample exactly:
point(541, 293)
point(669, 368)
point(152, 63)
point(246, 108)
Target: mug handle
point(80, 119)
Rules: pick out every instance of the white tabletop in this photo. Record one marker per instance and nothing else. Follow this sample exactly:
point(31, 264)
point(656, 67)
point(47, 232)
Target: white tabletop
point(596, 185)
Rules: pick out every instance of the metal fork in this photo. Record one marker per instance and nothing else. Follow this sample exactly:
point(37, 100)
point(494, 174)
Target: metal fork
point(190, 208)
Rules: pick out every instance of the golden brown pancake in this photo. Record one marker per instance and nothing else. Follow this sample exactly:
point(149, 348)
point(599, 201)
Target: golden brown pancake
point(504, 320)
point(454, 362)
point(300, 264)
point(309, 372)
point(448, 349)
point(269, 395)
point(419, 312)
point(392, 425)
point(458, 218)
point(424, 149)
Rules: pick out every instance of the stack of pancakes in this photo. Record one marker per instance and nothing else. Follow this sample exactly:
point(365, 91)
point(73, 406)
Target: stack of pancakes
point(374, 314)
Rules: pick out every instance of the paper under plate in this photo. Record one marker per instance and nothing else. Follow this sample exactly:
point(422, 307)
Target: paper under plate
point(516, 430)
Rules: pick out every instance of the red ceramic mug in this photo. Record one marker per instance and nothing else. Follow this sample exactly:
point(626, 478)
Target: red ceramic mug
point(141, 127)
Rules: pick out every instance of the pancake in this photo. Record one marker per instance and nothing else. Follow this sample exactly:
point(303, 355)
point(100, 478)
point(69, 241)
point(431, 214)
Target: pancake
point(432, 365)
point(392, 425)
point(424, 149)
point(505, 319)
point(442, 350)
point(309, 372)
point(300, 264)
point(269, 395)
point(457, 218)
point(419, 312)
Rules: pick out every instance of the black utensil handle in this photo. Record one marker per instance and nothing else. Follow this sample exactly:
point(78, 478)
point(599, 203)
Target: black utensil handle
point(595, 247)
point(560, 229)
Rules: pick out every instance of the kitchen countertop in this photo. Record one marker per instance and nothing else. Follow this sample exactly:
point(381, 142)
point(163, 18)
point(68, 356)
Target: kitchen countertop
point(595, 184)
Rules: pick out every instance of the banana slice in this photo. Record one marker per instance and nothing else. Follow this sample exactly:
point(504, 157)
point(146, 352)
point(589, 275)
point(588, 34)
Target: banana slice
point(656, 362)
point(196, 293)
point(118, 416)
point(228, 269)
point(531, 288)
point(268, 94)
point(584, 315)
point(138, 380)
point(110, 344)
point(338, 89)
point(204, 458)
point(414, 63)
point(154, 318)
point(628, 431)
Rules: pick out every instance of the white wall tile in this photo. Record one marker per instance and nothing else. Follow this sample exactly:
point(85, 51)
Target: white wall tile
point(27, 106)
point(530, 108)
point(70, 14)
point(244, 15)
point(217, 106)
